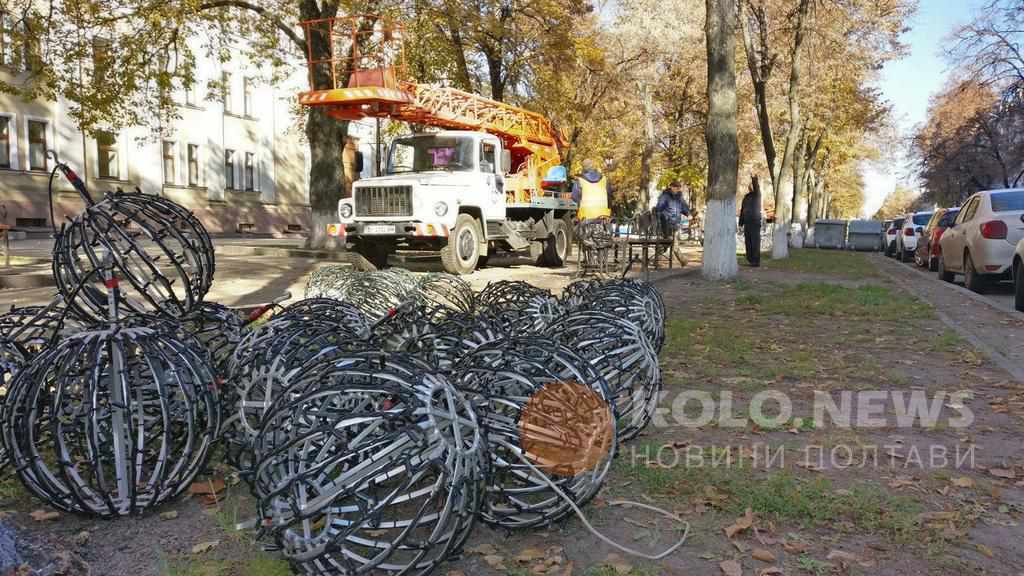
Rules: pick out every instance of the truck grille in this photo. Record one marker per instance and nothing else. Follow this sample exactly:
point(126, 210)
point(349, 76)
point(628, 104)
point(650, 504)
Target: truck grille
point(383, 201)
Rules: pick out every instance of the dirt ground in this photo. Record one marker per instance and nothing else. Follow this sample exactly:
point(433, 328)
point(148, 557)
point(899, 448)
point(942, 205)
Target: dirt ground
point(821, 324)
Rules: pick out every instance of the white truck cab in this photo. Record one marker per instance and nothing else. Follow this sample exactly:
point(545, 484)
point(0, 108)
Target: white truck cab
point(447, 191)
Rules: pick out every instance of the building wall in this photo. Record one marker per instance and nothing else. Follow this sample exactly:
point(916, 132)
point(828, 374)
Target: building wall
point(277, 203)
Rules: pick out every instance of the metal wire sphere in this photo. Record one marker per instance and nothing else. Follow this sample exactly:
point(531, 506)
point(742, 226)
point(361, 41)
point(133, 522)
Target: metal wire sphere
point(579, 292)
point(638, 302)
point(219, 329)
point(457, 336)
point(130, 413)
point(500, 379)
point(447, 293)
point(35, 328)
point(407, 327)
point(161, 252)
point(523, 306)
point(377, 468)
point(373, 293)
point(257, 373)
point(620, 351)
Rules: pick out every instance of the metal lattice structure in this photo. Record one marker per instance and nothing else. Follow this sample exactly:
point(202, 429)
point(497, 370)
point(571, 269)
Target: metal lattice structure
point(218, 329)
point(130, 413)
point(621, 353)
point(35, 328)
point(159, 250)
point(638, 302)
point(500, 378)
point(377, 466)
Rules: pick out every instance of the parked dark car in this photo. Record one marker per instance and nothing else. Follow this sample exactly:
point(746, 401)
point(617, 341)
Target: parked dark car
point(928, 249)
point(891, 234)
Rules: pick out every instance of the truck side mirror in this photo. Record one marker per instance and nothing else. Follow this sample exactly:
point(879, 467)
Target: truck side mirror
point(358, 162)
point(506, 161)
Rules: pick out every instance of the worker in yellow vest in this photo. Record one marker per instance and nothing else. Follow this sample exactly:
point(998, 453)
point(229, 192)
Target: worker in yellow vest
point(592, 194)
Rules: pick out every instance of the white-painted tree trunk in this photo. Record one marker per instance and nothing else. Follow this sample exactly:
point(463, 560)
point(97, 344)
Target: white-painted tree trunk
point(783, 219)
point(318, 238)
point(720, 239)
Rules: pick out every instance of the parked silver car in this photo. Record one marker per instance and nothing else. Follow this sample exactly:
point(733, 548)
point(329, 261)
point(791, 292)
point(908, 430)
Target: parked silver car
point(909, 232)
point(981, 243)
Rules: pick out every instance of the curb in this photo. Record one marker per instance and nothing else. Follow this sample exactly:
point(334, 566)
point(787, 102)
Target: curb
point(972, 295)
point(1002, 361)
point(356, 260)
point(26, 281)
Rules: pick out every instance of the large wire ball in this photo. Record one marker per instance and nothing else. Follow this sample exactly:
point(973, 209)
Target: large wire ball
point(457, 336)
point(523, 306)
point(620, 351)
point(161, 252)
point(446, 293)
point(373, 293)
point(130, 413)
point(636, 301)
point(219, 329)
point(35, 328)
point(501, 379)
point(377, 467)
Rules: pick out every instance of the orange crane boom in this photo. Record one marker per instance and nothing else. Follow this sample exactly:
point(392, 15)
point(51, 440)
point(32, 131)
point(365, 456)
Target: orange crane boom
point(375, 89)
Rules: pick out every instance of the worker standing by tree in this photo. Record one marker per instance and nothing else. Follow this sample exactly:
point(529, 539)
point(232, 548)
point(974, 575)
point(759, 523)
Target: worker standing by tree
point(750, 222)
point(670, 209)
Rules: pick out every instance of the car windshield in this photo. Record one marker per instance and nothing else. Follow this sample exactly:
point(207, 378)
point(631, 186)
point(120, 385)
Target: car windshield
point(431, 153)
point(897, 223)
point(948, 217)
point(922, 219)
point(1008, 201)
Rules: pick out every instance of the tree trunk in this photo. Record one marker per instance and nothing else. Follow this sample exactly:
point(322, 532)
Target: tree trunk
point(647, 153)
point(723, 148)
point(799, 191)
point(326, 138)
point(784, 190)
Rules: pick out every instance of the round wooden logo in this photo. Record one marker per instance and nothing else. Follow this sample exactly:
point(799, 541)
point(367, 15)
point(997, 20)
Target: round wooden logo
point(566, 428)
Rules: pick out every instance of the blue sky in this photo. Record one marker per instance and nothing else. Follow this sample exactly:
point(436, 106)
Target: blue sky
point(909, 83)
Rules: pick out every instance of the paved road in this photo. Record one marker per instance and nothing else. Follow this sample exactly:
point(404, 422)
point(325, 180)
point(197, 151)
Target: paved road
point(1001, 295)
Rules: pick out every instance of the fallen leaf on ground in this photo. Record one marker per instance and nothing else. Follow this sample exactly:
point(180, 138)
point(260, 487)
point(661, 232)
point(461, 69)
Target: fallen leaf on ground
point(1002, 473)
point(984, 550)
point(963, 482)
point(844, 557)
point(794, 547)
point(618, 564)
point(495, 561)
point(205, 546)
point(483, 550)
point(762, 555)
point(44, 515)
point(769, 571)
point(169, 515)
point(731, 568)
point(901, 481)
point(529, 555)
point(742, 523)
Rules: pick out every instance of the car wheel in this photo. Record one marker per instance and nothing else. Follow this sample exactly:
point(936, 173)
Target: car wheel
point(462, 254)
point(556, 248)
point(944, 274)
point(375, 252)
point(972, 280)
point(1018, 286)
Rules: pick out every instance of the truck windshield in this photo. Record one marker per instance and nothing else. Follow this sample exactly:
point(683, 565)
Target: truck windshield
point(430, 153)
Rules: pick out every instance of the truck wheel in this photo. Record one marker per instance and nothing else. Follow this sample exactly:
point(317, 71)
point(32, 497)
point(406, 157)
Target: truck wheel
point(556, 249)
point(462, 253)
point(376, 253)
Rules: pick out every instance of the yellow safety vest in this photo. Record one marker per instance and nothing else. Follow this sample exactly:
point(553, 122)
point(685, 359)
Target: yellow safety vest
point(593, 199)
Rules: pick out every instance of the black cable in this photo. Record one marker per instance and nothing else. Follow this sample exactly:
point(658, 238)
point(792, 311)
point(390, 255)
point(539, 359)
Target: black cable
point(49, 198)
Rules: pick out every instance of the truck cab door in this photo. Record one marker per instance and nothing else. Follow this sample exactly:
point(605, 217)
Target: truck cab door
point(494, 179)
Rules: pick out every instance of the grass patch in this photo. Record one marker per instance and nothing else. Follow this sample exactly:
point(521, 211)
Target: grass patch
point(948, 341)
point(778, 495)
point(807, 299)
point(853, 265)
point(260, 565)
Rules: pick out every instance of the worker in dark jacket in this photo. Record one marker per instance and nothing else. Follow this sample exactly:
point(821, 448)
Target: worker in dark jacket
point(592, 193)
point(670, 209)
point(750, 222)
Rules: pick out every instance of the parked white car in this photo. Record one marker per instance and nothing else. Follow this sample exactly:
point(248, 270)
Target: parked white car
point(911, 229)
point(981, 243)
point(1018, 277)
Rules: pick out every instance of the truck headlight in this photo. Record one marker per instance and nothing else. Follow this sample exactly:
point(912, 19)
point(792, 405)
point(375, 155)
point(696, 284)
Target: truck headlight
point(345, 210)
point(440, 209)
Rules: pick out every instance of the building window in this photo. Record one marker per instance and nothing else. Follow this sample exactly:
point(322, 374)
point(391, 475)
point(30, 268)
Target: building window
point(5, 141)
point(106, 151)
point(250, 171)
point(102, 59)
point(247, 97)
point(169, 162)
point(192, 94)
point(229, 169)
point(225, 81)
point(193, 165)
point(7, 40)
point(36, 145)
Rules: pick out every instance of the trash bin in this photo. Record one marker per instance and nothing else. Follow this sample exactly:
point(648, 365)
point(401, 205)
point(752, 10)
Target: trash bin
point(864, 235)
point(830, 234)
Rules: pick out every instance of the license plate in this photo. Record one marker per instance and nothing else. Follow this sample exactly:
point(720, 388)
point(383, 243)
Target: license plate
point(379, 229)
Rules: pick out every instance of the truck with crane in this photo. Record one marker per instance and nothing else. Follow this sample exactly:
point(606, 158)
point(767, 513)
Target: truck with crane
point(486, 178)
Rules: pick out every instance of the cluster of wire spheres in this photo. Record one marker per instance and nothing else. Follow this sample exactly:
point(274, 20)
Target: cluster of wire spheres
point(34, 328)
point(374, 293)
point(374, 465)
point(159, 250)
point(219, 329)
point(507, 377)
point(130, 416)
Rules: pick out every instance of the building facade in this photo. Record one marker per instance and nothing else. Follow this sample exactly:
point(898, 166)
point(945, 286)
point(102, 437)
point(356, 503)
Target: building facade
point(236, 157)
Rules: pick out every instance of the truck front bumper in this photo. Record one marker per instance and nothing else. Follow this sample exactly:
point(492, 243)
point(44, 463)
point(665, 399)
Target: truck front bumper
point(389, 230)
